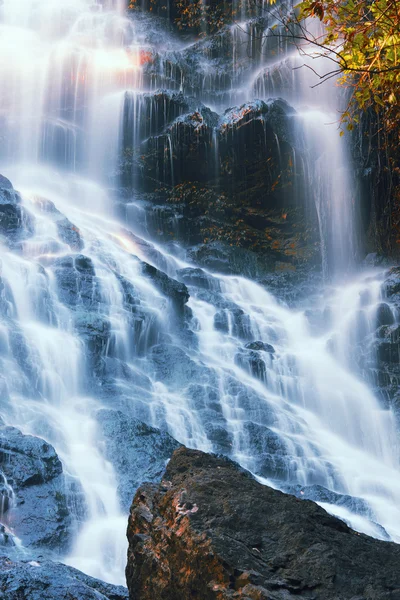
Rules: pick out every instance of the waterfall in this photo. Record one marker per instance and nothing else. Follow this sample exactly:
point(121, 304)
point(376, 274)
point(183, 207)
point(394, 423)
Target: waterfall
point(83, 328)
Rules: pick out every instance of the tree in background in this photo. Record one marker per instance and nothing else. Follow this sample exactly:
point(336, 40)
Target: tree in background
point(359, 38)
point(362, 39)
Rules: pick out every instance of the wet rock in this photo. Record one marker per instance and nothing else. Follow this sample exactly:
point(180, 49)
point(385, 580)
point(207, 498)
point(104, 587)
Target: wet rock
point(40, 580)
point(392, 285)
point(295, 287)
point(131, 297)
point(157, 110)
point(241, 326)
point(171, 288)
point(22, 354)
point(76, 281)
point(204, 401)
point(67, 231)
point(220, 257)
point(255, 145)
point(6, 187)
point(6, 538)
point(209, 529)
point(274, 113)
point(183, 152)
point(253, 363)
point(70, 234)
point(388, 352)
point(175, 368)
point(29, 460)
point(384, 315)
point(137, 451)
point(260, 347)
point(272, 457)
point(94, 330)
point(7, 301)
point(318, 493)
point(221, 322)
point(6, 494)
point(198, 278)
point(373, 259)
point(15, 221)
point(39, 512)
point(221, 439)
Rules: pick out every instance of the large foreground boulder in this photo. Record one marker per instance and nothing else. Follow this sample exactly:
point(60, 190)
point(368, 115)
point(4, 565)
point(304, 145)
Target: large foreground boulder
point(211, 531)
point(33, 580)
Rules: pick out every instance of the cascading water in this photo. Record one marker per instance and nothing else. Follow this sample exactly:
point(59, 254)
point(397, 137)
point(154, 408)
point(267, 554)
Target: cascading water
point(84, 328)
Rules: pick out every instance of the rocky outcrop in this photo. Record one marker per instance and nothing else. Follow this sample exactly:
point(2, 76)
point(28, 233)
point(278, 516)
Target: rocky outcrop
point(237, 178)
point(137, 451)
point(15, 222)
point(76, 281)
point(377, 183)
point(184, 152)
point(380, 359)
point(176, 291)
point(211, 531)
point(36, 509)
point(67, 231)
point(38, 579)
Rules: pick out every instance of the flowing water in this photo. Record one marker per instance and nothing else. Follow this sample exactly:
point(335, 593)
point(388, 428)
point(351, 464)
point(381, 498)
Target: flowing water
point(294, 410)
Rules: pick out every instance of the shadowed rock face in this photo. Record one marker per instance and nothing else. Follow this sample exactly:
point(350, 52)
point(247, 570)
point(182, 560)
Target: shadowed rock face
point(33, 580)
point(15, 222)
point(137, 451)
point(210, 531)
point(39, 513)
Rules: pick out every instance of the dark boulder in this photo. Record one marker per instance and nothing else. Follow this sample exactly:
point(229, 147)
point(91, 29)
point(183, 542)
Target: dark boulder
point(221, 321)
point(384, 315)
point(137, 451)
point(16, 223)
point(28, 459)
point(156, 109)
point(175, 290)
point(391, 286)
point(388, 352)
point(7, 540)
point(260, 347)
point(199, 278)
point(184, 151)
point(38, 510)
point(6, 187)
point(45, 580)
point(253, 363)
point(256, 150)
point(220, 257)
point(209, 530)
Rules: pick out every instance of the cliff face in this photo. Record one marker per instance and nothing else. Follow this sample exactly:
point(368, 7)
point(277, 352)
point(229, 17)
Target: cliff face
point(375, 159)
point(210, 531)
